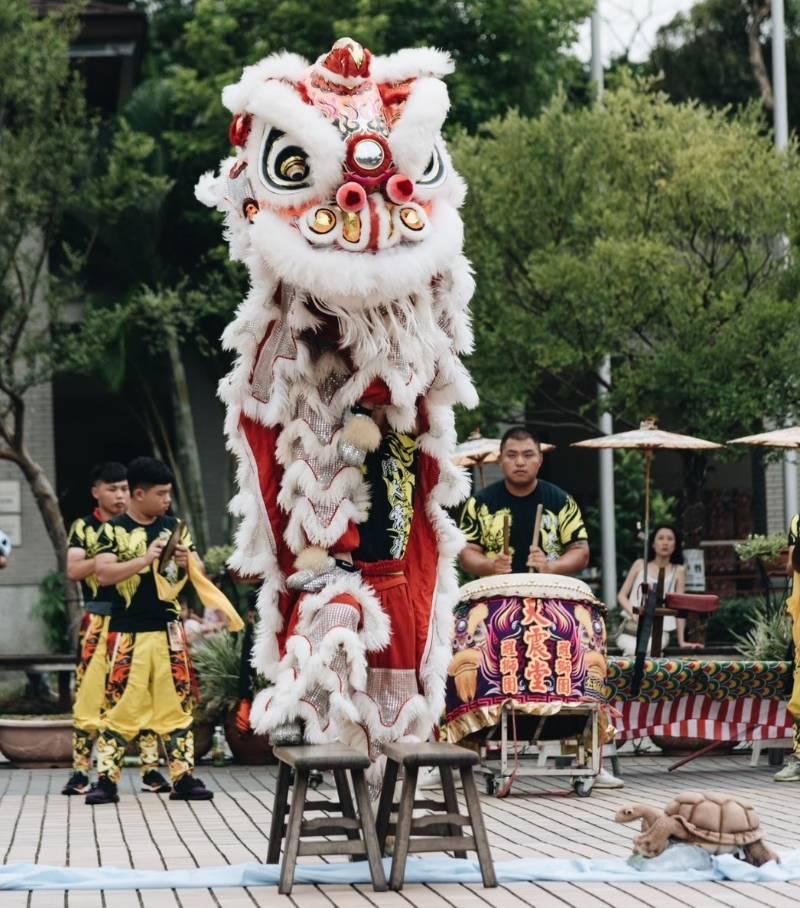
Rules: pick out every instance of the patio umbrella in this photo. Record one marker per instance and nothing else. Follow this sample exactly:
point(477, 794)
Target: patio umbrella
point(647, 438)
point(778, 438)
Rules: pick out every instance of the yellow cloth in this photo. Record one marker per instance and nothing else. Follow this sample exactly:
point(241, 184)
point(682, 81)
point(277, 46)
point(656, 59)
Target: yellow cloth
point(793, 610)
point(209, 595)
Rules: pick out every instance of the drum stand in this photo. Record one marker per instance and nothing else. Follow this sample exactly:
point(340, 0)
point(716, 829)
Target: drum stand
point(584, 765)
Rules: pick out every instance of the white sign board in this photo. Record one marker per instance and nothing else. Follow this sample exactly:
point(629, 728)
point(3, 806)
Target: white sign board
point(695, 561)
point(10, 500)
point(11, 525)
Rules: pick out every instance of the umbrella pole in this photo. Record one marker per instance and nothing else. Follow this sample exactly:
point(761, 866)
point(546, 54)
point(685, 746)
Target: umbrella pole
point(648, 462)
point(480, 473)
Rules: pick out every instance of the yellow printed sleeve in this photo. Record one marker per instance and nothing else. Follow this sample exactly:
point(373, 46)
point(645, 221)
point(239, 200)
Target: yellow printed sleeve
point(76, 539)
point(469, 524)
point(571, 528)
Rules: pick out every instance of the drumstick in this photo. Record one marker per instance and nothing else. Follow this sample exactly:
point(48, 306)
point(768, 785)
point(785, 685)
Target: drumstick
point(506, 534)
point(537, 528)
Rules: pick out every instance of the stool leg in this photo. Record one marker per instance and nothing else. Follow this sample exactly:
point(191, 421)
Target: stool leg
point(368, 831)
point(293, 831)
point(451, 803)
point(478, 829)
point(386, 801)
point(343, 790)
point(402, 833)
point(278, 814)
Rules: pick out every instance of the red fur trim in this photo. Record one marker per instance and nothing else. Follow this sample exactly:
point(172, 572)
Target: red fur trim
point(376, 394)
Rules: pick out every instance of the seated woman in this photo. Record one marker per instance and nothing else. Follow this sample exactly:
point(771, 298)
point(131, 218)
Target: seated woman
point(664, 552)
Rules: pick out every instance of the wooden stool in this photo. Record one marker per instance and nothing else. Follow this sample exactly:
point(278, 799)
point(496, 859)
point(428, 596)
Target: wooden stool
point(444, 831)
point(339, 760)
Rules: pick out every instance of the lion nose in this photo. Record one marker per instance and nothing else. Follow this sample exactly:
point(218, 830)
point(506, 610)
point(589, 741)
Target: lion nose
point(399, 189)
point(351, 197)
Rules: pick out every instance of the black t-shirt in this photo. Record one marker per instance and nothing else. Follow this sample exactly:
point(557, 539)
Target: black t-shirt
point(562, 524)
point(391, 474)
point(86, 533)
point(135, 603)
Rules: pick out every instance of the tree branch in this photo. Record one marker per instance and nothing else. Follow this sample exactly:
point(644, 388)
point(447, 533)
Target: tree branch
point(759, 13)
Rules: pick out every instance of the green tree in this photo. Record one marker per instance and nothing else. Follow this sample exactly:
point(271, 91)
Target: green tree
point(648, 230)
point(53, 170)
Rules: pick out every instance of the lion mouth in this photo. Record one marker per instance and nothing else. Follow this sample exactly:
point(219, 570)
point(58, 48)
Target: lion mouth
point(378, 225)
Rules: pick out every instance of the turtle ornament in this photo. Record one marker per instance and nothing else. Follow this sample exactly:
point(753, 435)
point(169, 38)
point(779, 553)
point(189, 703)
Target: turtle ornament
point(718, 823)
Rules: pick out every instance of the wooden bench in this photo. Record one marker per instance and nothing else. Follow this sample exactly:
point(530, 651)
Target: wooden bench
point(361, 838)
point(441, 831)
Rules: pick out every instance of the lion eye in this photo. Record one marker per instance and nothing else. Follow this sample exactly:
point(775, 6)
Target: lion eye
point(434, 173)
point(284, 164)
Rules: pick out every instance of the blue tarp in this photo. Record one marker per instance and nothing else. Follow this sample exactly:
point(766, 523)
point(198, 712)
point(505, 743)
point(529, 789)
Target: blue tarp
point(680, 863)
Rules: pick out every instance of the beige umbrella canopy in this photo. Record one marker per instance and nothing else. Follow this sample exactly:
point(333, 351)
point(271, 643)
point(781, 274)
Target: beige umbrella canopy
point(779, 438)
point(648, 437)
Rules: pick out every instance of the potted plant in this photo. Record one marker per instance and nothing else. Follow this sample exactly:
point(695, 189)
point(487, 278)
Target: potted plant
point(217, 661)
point(34, 732)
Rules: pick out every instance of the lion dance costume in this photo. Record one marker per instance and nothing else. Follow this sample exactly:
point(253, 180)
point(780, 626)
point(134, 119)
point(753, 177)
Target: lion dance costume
point(343, 204)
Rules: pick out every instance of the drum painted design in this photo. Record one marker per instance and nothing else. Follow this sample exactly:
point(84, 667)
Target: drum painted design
point(526, 650)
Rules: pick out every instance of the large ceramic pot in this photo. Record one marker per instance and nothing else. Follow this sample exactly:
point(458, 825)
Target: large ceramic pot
point(252, 750)
point(36, 741)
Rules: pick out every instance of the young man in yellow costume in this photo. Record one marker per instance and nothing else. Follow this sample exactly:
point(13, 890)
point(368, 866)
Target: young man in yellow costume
point(150, 681)
point(110, 492)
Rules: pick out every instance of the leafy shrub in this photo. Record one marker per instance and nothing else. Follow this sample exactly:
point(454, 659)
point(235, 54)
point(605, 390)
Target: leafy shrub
point(769, 635)
point(52, 609)
point(733, 619)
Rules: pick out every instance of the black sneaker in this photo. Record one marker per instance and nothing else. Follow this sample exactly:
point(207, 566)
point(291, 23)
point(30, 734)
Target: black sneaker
point(152, 780)
point(188, 788)
point(78, 784)
point(104, 792)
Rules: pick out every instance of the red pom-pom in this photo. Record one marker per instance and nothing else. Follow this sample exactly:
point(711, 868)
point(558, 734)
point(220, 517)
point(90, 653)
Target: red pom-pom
point(351, 197)
point(239, 129)
point(399, 189)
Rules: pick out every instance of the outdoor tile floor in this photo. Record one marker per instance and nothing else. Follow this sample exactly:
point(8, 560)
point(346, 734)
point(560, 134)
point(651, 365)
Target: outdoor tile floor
point(38, 824)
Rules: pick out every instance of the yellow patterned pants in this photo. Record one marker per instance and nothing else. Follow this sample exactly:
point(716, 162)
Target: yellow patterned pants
point(90, 693)
point(148, 687)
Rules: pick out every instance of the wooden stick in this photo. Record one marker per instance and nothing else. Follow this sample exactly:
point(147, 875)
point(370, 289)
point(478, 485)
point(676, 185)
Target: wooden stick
point(537, 528)
point(506, 534)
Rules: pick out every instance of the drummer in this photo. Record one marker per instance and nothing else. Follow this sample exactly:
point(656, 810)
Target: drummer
point(562, 547)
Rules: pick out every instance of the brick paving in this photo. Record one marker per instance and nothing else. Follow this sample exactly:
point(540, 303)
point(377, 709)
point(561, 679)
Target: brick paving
point(147, 831)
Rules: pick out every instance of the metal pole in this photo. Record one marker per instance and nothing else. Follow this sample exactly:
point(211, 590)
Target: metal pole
point(781, 126)
point(597, 58)
point(608, 541)
point(781, 115)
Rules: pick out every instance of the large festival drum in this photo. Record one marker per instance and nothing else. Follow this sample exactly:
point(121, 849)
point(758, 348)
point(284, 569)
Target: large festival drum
point(536, 641)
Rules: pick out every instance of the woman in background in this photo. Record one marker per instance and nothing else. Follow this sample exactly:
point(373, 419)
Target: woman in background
point(664, 552)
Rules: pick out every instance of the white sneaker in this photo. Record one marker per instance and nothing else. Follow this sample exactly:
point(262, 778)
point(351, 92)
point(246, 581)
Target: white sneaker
point(604, 779)
point(790, 772)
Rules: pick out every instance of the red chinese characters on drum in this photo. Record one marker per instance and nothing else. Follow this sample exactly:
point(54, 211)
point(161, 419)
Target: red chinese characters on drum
point(525, 649)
